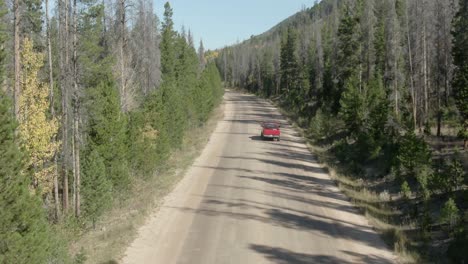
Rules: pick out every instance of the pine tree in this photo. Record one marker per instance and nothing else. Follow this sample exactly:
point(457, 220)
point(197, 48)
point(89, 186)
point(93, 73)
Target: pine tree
point(106, 126)
point(353, 106)
point(203, 96)
point(95, 60)
point(167, 44)
point(450, 213)
point(32, 18)
point(36, 129)
point(172, 56)
point(348, 54)
point(107, 131)
point(155, 124)
point(215, 85)
point(188, 68)
point(201, 56)
point(289, 62)
point(24, 232)
point(96, 189)
point(460, 55)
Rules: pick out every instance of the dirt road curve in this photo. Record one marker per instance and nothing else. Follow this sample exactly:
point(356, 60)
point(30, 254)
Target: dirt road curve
point(245, 200)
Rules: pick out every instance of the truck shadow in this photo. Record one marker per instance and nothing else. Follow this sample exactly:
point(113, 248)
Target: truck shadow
point(259, 138)
point(256, 138)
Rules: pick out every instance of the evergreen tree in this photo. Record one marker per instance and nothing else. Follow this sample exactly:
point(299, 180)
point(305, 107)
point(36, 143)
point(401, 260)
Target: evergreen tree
point(450, 213)
point(187, 68)
point(348, 54)
point(31, 24)
point(106, 125)
point(24, 232)
point(32, 19)
point(155, 123)
point(413, 157)
point(172, 57)
point(143, 154)
point(96, 189)
point(201, 55)
point(95, 60)
point(107, 131)
point(460, 57)
point(203, 96)
point(167, 44)
point(289, 62)
point(216, 85)
point(353, 106)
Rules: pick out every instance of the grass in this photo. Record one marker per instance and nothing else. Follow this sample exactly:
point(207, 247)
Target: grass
point(118, 228)
point(374, 206)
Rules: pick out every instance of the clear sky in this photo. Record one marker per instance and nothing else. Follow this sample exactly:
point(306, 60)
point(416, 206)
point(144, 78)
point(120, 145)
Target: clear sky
point(224, 22)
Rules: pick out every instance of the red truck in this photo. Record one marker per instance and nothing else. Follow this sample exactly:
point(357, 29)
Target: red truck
point(271, 130)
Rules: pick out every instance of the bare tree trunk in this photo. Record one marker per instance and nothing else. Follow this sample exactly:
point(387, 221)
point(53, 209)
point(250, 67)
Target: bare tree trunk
point(410, 55)
point(52, 110)
point(49, 57)
point(76, 115)
point(17, 87)
point(395, 87)
point(425, 69)
point(447, 78)
point(64, 87)
point(439, 113)
point(123, 42)
point(76, 163)
point(74, 167)
point(439, 42)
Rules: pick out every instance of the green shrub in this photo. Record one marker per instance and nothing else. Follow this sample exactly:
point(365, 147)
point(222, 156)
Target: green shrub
point(322, 125)
point(414, 160)
point(405, 190)
point(456, 175)
point(449, 176)
point(462, 133)
point(450, 214)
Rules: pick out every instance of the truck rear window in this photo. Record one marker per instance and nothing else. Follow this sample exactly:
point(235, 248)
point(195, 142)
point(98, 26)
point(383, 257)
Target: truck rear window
point(270, 126)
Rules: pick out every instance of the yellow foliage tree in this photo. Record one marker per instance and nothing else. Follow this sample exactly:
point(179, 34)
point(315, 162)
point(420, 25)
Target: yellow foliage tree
point(36, 129)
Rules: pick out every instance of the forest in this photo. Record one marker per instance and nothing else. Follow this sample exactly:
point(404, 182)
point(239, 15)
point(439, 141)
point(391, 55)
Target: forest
point(95, 95)
point(382, 87)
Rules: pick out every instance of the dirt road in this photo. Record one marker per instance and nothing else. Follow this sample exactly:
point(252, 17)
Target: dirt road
point(245, 200)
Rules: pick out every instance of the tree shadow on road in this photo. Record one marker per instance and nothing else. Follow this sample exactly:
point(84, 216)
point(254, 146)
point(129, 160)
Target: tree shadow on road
point(289, 165)
point(282, 218)
point(284, 256)
point(248, 204)
point(295, 197)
